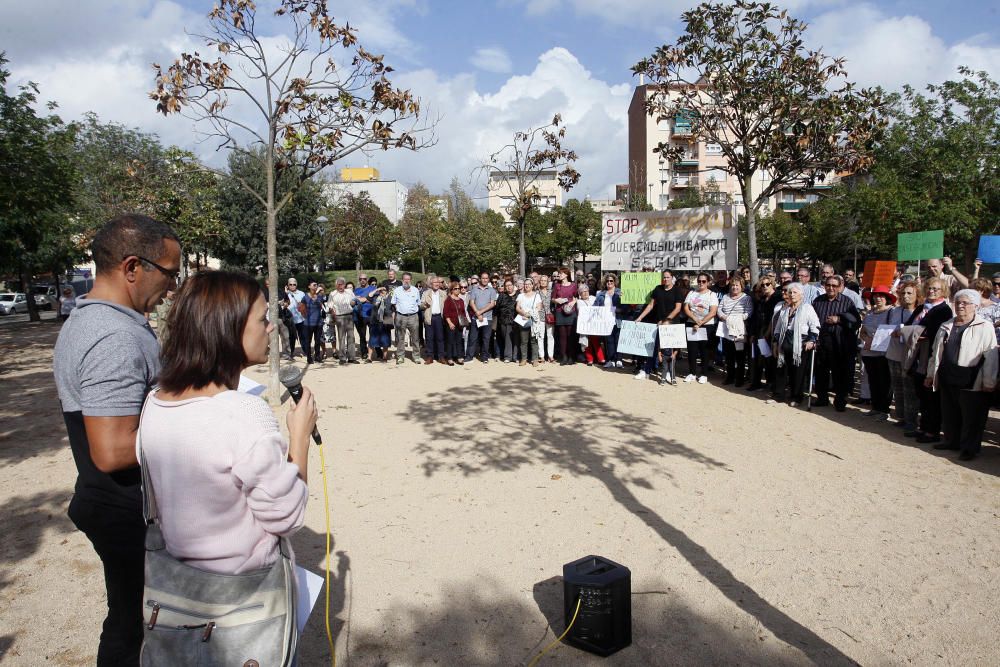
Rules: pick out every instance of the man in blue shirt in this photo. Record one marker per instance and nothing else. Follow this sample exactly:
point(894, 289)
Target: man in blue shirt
point(295, 296)
point(362, 310)
point(406, 301)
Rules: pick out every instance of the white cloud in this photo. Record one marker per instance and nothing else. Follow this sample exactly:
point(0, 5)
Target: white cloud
point(492, 59)
point(647, 15)
point(894, 50)
point(476, 123)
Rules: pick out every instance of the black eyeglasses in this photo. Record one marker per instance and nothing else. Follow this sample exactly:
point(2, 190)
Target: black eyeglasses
point(703, 281)
point(173, 275)
point(832, 285)
point(996, 284)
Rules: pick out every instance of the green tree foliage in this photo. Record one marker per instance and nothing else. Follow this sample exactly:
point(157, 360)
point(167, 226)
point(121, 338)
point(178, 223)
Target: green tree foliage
point(707, 195)
point(242, 245)
point(576, 230)
point(937, 168)
point(123, 170)
point(361, 232)
point(421, 227)
point(741, 76)
point(473, 240)
point(37, 184)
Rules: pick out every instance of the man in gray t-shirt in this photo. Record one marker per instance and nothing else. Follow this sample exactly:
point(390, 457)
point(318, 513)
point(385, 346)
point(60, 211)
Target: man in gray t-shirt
point(482, 300)
point(106, 361)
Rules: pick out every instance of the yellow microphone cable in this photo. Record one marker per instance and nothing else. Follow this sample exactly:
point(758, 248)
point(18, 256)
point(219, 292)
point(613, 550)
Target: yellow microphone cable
point(534, 661)
point(326, 509)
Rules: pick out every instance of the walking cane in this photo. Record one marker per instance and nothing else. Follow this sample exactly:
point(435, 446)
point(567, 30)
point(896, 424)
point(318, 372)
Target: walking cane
point(809, 396)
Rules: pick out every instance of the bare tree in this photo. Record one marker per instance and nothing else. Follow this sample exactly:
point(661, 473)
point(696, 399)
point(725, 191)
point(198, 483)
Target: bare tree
point(315, 100)
point(513, 172)
point(740, 77)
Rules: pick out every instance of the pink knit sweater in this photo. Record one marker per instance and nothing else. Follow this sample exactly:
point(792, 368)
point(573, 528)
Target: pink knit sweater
point(224, 487)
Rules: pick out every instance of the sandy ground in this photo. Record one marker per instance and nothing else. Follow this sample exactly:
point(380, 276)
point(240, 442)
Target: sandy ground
point(756, 535)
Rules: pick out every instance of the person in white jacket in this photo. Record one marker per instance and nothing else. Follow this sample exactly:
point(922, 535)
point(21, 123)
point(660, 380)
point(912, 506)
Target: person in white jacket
point(962, 369)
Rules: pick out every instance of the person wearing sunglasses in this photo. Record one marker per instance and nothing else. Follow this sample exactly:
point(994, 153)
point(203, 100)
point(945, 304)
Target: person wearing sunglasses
point(935, 311)
point(837, 347)
point(611, 297)
point(106, 360)
point(963, 370)
point(766, 299)
point(700, 306)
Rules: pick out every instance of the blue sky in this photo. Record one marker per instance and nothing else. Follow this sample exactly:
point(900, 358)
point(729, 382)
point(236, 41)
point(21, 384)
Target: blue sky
point(485, 67)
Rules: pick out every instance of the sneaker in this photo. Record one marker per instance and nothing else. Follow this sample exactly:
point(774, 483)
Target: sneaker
point(702, 379)
point(641, 375)
point(881, 417)
point(689, 378)
point(618, 364)
point(609, 364)
point(399, 361)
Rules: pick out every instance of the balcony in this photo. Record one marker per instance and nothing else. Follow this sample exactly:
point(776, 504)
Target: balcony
point(793, 206)
point(687, 160)
point(681, 129)
point(684, 182)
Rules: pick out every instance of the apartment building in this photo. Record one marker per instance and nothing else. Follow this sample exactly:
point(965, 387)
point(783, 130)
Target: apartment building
point(389, 196)
point(502, 183)
point(701, 164)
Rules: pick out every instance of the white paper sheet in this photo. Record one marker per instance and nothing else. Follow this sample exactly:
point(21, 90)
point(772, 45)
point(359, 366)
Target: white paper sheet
point(764, 347)
point(701, 333)
point(309, 587)
point(521, 320)
point(880, 341)
point(483, 322)
point(248, 386)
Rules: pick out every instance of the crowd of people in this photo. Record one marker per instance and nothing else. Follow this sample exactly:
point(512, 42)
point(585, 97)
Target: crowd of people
point(906, 346)
point(928, 348)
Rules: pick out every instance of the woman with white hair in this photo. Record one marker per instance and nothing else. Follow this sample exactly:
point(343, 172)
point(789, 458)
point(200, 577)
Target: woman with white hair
point(962, 369)
point(796, 329)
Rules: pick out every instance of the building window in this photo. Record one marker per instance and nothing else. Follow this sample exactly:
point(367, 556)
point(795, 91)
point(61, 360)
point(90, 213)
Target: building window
point(717, 175)
point(664, 202)
point(713, 149)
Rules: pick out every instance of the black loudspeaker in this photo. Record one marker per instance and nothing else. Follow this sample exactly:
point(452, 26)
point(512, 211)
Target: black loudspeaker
point(604, 588)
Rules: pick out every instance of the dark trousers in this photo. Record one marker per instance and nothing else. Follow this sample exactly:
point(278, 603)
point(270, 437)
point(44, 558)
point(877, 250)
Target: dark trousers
point(434, 338)
point(791, 377)
point(564, 349)
point(454, 343)
point(314, 336)
point(118, 538)
point(930, 408)
point(479, 340)
point(697, 357)
point(837, 365)
point(362, 329)
point(964, 413)
point(879, 382)
point(507, 346)
point(761, 367)
point(735, 361)
point(611, 345)
point(303, 335)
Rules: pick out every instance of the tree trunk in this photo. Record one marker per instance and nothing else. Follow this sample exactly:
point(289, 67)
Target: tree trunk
point(29, 296)
point(751, 222)
point(274, 343)
point(357, 264)
point(521, 257)
point(423, 270)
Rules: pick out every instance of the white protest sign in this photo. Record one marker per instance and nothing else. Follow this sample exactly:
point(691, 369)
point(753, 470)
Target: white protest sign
point(594, 320)
point(701, 333)
point(638, 338)
point(691, 239)
point(672, 336)
point(880, 341)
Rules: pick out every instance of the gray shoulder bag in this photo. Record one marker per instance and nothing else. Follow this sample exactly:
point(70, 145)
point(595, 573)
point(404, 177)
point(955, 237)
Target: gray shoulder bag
point(194, 617)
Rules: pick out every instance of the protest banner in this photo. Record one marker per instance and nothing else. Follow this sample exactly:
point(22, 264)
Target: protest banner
point(594, 320)
point(921, 245)
point(989, 249)
point(878, 272)
point(637, 286)
point(690, 239)
point(672, 336)
point(637, 338)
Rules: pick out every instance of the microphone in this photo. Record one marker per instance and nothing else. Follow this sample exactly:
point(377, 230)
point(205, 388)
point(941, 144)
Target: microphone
point(291, 377)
